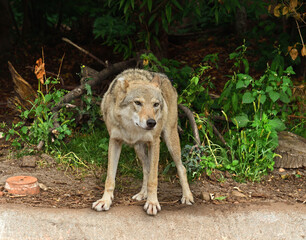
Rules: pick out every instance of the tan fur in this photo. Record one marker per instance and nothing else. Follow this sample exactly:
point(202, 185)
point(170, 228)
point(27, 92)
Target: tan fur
point(135, 101)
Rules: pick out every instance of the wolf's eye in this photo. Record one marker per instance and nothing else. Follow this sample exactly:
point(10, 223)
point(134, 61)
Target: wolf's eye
point(155, 104)
point(137, 103)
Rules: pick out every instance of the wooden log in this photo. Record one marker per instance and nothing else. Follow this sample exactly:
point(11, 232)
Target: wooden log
point(292, 148)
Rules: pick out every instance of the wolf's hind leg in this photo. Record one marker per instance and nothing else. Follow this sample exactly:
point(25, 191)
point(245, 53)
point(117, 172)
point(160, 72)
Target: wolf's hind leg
point(105, 202)
point(142, 154)
point(172, 140)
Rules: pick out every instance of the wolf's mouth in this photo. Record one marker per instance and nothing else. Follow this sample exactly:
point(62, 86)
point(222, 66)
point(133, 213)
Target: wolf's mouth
point(147, 128)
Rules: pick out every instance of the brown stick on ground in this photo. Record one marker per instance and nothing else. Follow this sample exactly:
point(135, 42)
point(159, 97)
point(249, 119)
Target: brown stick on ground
point(86, 52)
point(217, 133)
point(193, 124)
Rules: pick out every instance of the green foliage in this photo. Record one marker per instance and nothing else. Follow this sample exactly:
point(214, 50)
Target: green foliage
point(44, 121)
point(242, 91)
point(90, 108)
point(202, 159)
point(189, 95)
point(211, 59)
point(172, 68)
point(251, 147)
point(239, 57)
point(115, 32)
point(129, 25)
point(225, 10)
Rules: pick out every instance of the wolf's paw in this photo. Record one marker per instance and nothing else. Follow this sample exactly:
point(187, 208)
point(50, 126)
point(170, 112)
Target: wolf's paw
point(140, 196)
point(188, 200)
point(152, 207)
point(102, 205)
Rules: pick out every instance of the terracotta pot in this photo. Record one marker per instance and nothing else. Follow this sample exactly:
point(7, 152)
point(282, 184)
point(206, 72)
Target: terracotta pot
point(22, 185)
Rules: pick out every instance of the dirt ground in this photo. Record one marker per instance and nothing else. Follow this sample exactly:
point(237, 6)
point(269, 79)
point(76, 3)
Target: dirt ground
point(62, 189)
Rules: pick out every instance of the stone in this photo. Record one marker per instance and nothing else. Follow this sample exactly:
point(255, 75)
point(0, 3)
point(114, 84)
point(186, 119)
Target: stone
point(29, 161)
point(47, 158)
point(238, 194)
point(205, 196)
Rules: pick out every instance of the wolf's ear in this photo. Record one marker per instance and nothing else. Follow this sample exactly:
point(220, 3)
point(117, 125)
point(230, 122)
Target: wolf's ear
point(156, 81)
point(123, 83)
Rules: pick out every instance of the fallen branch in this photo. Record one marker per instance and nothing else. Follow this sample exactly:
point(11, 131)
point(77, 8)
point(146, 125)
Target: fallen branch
point(194, 127)
point(105, 64)
point(217, 133)
point(97, 79)
point(193, 124)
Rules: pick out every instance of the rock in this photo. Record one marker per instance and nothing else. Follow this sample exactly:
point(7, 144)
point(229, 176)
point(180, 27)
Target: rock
point(205, 196)
point(29, 161)
point(238, 194)
point(292, 148)
point(281, 170)
point(43, 186)
point(259, 195)
point(48, 159)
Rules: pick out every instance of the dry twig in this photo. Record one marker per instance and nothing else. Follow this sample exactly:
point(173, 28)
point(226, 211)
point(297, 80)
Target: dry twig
point(105, 64)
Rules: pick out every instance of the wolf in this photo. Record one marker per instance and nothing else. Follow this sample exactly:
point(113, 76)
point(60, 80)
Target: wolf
point(139, 108)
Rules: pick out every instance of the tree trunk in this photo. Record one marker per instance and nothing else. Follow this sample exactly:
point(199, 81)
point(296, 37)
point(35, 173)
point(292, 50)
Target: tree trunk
point(241, 21)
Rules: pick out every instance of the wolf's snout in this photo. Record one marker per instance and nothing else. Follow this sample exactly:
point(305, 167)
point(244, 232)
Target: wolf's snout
point(151, 123)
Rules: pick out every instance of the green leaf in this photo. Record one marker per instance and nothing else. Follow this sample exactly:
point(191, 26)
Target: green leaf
point(152, 18)
point(242, 120)
point(221, 198)
point(277, 124)
point(168, 13)
point(269, 89)
point(24, 129)
point(284, 97)
point(132, 4)
point(195, 80)
point(247, 98)
point(121, 4)
point(177, 5)
point(263, 99)
point(235, 162)
point(246, 65)
point(289, 92)
point(149, 5)
point(287, 80)
point(126, 7)
point(233, 55)
point(235, 101)
point(240, 84)
point(274, 96)
point(289, 70)
point(88, 89)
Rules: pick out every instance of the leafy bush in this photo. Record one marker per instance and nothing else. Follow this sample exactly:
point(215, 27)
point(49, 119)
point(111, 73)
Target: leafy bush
point(43, 127)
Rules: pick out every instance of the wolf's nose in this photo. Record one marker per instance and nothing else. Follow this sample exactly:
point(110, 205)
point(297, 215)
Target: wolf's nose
point(151, 123)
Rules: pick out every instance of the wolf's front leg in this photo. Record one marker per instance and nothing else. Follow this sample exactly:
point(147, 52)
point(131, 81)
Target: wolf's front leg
point(105, 202)
point(152, 205)
point(141, 151)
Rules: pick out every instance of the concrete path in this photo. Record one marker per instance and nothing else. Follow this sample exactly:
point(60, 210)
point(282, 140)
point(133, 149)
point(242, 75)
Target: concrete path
point(236, 221)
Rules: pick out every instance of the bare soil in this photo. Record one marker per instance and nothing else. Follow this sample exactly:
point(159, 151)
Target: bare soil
point(61, 188)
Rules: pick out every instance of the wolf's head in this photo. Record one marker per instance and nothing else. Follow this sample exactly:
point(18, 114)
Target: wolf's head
point(143, 103)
